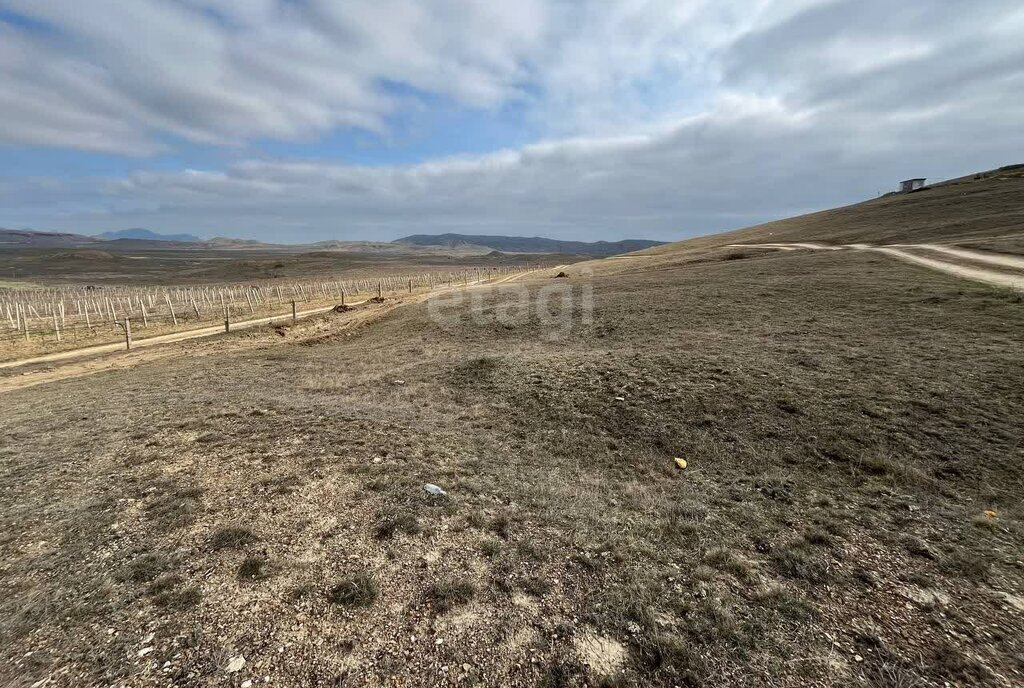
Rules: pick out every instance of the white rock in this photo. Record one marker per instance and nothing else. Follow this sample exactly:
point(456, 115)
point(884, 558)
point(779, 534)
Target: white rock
point(235, 664)
point(145, 651)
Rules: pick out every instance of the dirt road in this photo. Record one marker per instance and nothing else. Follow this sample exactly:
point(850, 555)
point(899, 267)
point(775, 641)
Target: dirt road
point(1013, 278)
point(162, 339)
point(89, 360)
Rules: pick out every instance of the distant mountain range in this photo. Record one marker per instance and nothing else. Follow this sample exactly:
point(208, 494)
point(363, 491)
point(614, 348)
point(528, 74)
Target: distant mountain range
point(147, 235)
point(509, 244)
point(25, 237)
point(462, 244)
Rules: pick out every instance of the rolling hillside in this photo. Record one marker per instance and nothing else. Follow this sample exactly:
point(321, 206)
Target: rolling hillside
point(985, 211)
point(509, 244)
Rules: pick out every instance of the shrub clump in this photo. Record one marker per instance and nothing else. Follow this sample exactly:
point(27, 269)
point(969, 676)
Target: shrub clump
point(358, 590)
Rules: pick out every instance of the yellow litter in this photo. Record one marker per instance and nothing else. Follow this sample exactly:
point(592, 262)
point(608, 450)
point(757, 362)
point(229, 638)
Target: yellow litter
point(681, 463)
point(990, 514)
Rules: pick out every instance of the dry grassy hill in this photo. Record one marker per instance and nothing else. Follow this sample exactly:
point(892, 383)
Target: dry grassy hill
point(251, 508)
point(979, 211)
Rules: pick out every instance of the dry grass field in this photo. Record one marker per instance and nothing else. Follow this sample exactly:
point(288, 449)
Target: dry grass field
point(147, 266)
point(983, 211)
point(250, 510)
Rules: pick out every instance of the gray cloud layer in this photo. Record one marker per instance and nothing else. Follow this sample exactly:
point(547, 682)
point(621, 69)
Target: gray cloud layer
point(667, 118)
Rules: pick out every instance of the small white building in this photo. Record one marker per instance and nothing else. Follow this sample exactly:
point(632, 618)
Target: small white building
point(908, 185)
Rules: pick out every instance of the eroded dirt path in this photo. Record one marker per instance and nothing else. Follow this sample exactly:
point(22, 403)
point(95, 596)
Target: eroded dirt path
point(1011, 279)
point(1005, 260)
point(162, 339)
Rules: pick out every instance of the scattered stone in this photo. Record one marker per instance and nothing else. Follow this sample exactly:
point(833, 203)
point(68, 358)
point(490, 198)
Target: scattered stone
point(434, 490)
point(398, 382)
point(1014, 601)
point(235, 664)
point(927, 597)
point(620, 398)
point(145, 651)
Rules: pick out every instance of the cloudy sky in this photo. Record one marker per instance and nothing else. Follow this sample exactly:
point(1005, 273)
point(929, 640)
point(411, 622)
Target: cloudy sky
point(293, 120)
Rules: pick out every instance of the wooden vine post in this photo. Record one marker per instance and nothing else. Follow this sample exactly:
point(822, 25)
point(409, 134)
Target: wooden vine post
point(127, 326)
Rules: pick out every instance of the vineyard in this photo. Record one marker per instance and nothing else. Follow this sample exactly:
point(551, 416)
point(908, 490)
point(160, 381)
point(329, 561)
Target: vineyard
point(58, 318)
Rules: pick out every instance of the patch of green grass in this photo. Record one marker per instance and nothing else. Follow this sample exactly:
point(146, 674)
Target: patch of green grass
point(781, 601)
point(983, 522)
point(475, 371)
point(670, 659)
point(253, 569)
point(166, 591)
point(798, 560)
point(819, 537)
point(725, 559)
point(232, 537)
point(387, 526)
point(179, 599)
point(174, 508)
point(970, 565)
point(358, 590)
point(450, 593)
point(146, 567)
point(537, 586)
point(917, 547)
point(532, 551)
point(165, 583)
point(490, 547)
point(501, 525)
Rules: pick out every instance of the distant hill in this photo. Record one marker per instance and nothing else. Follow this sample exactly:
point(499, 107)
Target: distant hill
point(27, 238)
point(508, 244)
point(147, 235)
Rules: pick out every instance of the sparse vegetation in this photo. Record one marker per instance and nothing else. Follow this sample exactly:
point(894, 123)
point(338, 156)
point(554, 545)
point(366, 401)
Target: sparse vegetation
point(358, 590)
point(146, 567)
point(173, 507)
point(843, 437)
point(490, 547)
point(445, 595)
point(390, 524)
point(232, 537)
point(253, 569)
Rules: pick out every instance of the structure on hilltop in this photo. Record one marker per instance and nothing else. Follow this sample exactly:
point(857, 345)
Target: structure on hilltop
point(909, 185)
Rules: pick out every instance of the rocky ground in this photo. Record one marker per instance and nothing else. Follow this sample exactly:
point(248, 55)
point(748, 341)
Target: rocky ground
point(849, 514)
